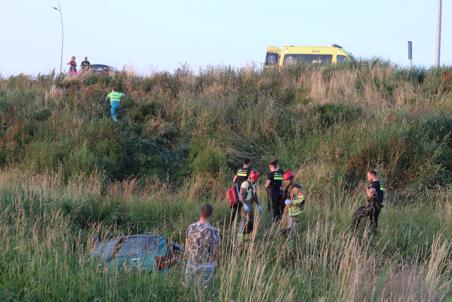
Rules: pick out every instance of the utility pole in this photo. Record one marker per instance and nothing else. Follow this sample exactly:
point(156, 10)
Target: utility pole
point(58, 9)
point(438, 39)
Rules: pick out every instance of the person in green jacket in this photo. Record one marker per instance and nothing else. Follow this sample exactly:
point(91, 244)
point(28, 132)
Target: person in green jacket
point(115, 100)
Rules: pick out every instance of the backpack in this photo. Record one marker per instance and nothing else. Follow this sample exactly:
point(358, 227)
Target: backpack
point(233, 196)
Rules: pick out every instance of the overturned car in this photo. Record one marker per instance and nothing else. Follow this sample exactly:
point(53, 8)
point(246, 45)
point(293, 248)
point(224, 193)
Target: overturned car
point(146, 252)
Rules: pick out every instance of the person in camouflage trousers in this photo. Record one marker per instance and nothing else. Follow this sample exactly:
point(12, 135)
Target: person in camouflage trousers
point(375, 197)
point(202, 248)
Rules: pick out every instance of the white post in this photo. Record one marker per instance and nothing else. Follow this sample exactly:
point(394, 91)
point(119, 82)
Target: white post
point(438, 39)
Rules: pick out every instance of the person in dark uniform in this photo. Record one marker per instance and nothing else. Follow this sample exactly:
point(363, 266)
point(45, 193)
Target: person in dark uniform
point(242, 175)
point(273, 185)
point(375, 196)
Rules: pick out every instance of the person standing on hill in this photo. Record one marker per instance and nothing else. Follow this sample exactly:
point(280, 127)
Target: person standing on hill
point(273, 185)
point(375, 198)
point(239, 178)
point(294, 202)
point(115, 99)
point(85, 64)
point(72, 66)
point(202, 248)
point(248, 197)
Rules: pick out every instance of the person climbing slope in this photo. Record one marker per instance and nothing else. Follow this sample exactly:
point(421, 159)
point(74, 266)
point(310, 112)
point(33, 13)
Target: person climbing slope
point(115, 99)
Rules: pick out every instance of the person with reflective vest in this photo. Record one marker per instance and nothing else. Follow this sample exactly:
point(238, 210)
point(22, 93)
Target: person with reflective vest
point(294, 201)
point(115, 99)
point(375, 198)
point(273, 185)
point(248, 197)
point(242, 175)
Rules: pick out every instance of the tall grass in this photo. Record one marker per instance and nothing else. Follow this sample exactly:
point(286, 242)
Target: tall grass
point(46, 239)
point(67, 172)
point(179, 125)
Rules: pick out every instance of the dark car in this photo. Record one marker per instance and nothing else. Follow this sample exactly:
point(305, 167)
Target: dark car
point(100, 68)
point(146, 252)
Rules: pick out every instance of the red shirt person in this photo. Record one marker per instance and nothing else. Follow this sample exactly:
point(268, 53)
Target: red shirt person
point(72, 66)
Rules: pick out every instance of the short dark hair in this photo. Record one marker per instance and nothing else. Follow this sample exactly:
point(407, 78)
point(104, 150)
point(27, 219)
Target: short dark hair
point(246, 161)
point(206, 211)
point(274, 163)
point(372, 171)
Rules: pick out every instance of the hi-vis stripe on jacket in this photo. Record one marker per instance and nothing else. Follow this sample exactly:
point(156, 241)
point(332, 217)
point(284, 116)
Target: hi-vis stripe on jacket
point(278, 176)
point(296, 196)
point(242, 173)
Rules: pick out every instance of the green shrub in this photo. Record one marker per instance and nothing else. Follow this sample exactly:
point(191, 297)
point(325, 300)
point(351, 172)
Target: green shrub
point(331, 114)
point(206, 156)
point(43, 114)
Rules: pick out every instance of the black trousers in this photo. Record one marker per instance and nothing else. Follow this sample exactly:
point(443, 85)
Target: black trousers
point(371, 210)
point(277, 204)
point(234, 211)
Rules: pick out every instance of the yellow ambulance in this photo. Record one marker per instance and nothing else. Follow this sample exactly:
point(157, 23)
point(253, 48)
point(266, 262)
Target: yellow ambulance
point(288, 55)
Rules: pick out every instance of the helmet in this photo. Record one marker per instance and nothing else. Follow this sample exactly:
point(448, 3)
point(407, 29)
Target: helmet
point(288, 175)
point(254, 175)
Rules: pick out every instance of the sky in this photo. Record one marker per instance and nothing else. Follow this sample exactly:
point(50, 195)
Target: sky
point(149, 36)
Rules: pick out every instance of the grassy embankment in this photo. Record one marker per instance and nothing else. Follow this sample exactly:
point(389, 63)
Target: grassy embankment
point(68, 172)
